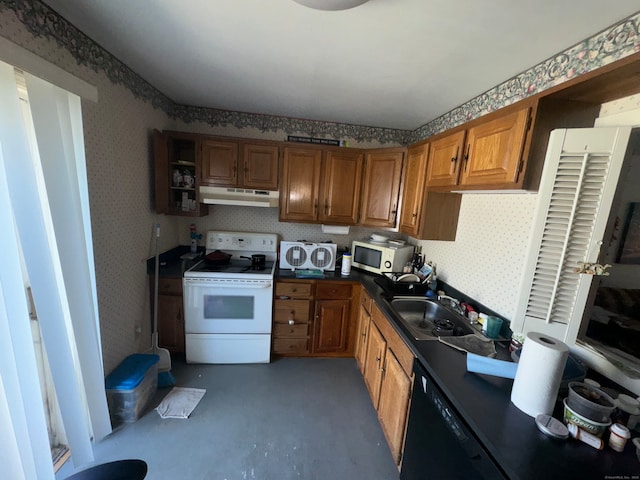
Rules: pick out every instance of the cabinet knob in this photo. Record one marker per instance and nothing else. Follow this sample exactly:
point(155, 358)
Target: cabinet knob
point(291, 321)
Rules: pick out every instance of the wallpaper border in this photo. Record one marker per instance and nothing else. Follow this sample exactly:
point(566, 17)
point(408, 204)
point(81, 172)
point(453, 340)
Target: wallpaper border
point(613, 43)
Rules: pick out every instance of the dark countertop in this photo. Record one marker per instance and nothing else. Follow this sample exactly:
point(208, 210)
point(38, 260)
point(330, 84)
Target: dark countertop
point(483, 402)
point(510, 436)
point(171, 265)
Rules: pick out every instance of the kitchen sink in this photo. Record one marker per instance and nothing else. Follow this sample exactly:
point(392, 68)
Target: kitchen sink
point(427, 319)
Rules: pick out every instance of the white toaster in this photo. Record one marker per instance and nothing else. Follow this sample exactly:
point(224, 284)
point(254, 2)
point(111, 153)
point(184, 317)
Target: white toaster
point(295, 255)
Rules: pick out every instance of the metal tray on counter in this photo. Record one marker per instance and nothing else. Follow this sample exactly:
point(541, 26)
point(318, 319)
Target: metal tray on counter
point(399, 283)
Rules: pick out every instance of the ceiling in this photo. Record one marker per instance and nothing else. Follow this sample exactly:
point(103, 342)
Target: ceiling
point(387, 63)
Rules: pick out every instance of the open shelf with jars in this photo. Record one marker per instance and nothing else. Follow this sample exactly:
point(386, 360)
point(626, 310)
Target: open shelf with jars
point(177, 175)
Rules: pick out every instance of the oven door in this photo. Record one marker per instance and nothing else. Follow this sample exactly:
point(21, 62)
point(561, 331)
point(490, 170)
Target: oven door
point(227, 305)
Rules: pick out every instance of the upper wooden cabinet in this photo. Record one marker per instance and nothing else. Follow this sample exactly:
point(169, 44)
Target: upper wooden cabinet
point(219, 163)
point(445, 158)
point(503, 150)
point(229, 163)
point(341, 187)
point(412, 193)
point(381, 187)
point(320, 185)
point(426, 215)
point(488, 153)
point(177, 174)
point(494, 149)
point(260, 169)
point(300, 184)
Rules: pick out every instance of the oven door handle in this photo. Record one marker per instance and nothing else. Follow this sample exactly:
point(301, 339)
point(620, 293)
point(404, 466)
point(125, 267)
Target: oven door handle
point(240, 286)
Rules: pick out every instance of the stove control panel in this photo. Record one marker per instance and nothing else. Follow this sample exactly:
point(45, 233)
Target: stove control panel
point(242, 242)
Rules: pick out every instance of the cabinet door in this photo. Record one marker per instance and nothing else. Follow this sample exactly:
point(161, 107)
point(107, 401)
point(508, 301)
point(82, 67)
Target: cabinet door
point(381, 191)
point(364, 320)
point(331, 326)
point(300, 185)
point(170, 323)
point(219, 163)
point(376, 349)
point(414, 189)
point(393, 405)
point(494, 150)
point(445, 158)
point(260, 166)
point(341, 187)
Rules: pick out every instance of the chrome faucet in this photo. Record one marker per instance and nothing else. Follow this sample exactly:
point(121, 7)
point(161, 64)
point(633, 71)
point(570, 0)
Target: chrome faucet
point(452, 302)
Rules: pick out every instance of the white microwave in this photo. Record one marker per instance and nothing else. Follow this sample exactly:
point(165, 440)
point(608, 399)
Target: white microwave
point(379, 258)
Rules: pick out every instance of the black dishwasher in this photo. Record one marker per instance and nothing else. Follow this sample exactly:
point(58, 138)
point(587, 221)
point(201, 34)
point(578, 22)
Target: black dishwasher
point(438, 445)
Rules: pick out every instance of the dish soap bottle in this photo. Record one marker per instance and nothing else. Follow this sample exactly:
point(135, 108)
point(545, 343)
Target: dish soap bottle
point(433, 281)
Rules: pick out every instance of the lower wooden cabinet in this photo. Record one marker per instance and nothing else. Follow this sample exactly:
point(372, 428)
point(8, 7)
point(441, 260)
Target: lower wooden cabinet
point(314, 318)
point(388, 376)
point(362, 332)
point(393, 404)
point(170, 313)
point(374, 360)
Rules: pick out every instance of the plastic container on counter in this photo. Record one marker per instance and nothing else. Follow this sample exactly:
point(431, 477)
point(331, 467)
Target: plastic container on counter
point(590, 402)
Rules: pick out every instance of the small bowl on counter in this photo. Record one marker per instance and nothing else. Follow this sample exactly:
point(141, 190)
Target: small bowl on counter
point(590, 402)
point(591, 426)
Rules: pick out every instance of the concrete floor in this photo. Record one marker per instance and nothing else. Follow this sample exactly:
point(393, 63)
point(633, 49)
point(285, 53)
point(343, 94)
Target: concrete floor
point(295, 418)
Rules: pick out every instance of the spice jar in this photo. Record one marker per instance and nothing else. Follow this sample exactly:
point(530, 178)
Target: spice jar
point(619, 434)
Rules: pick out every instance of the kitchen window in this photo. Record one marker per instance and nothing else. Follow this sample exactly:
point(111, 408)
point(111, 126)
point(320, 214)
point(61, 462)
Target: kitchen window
point(577, 192)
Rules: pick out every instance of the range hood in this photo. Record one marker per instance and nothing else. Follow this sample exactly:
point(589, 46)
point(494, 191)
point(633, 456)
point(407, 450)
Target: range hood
point(238, 196)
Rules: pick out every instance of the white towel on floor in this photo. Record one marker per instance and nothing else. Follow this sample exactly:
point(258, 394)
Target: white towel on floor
point(180, 402)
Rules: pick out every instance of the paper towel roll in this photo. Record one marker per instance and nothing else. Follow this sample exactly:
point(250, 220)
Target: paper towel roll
point(539, 374)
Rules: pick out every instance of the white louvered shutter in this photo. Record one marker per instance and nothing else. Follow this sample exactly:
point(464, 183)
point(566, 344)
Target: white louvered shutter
point(578, 184)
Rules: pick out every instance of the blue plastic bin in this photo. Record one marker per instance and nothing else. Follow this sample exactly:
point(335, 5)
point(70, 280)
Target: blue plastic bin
point(130, 387)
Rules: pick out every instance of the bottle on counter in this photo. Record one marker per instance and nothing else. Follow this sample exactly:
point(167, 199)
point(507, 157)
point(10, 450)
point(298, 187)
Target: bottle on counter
point(618, 436)
point(345, 269)
point(585, 437)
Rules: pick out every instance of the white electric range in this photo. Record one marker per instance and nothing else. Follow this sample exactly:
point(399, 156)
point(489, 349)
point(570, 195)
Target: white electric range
point(227, 305)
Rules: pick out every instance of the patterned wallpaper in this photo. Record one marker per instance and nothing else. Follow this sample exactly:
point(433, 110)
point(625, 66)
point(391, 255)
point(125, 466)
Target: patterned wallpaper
point(485, 261)
point(487, 258)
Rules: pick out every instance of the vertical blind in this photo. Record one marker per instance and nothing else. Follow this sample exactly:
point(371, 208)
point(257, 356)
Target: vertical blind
point(45, 219)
